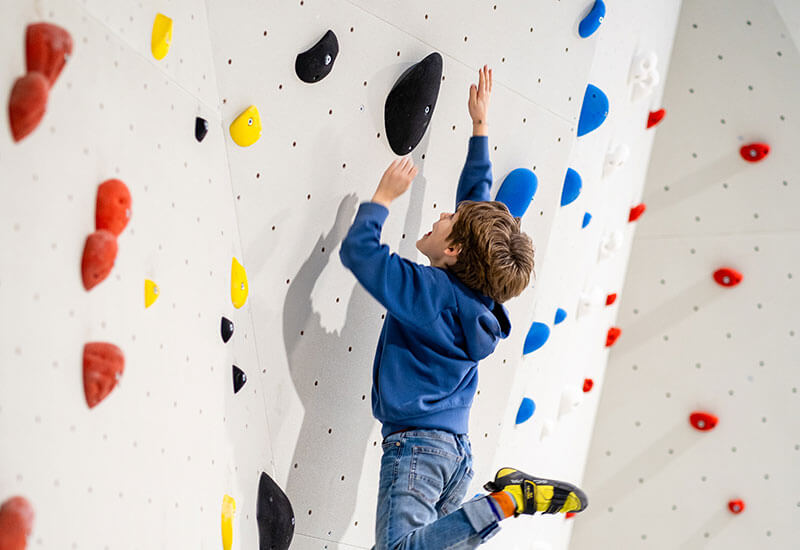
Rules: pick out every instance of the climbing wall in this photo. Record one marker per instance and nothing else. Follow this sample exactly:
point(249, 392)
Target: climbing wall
point(689, 344)
point(149, 466)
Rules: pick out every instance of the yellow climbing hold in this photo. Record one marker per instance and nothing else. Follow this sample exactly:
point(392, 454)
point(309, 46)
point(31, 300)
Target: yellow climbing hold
point(246, 129)
point(228, 509)
point(150, 293)
point(162, 36)
point(238, 284)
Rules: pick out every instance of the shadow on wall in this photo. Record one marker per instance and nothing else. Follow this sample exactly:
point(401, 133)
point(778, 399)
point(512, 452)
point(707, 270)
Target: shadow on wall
point(327, 370)
point(691, 184)
point(667, 315)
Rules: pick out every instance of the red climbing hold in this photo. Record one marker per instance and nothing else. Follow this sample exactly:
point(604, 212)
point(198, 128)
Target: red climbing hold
point(754, 152)
point(736, 506)
point(727, 276)
point(47, 48)
point(569, 515)
point(613, 334)
point(113, 208)
point(16, 523)
point(588, 384)
point(636, 212)
point(103, 364)
point(98, 257)
point(655, 117)
point(611, 298)
point(27, 104)
point(703, 421)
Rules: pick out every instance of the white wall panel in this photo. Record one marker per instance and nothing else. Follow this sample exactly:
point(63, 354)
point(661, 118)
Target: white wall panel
point(172, 438)
point(689, 344)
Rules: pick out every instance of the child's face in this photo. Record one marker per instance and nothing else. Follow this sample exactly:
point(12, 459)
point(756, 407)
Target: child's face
point(434, 244)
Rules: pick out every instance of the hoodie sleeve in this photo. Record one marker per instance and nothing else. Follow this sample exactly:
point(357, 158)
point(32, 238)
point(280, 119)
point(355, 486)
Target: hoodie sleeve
point(408, 290)
point(476, 176)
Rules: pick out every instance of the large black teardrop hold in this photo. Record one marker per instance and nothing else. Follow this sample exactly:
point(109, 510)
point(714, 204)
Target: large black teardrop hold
point(316, 63)
point(410, 104)
point(274, 515)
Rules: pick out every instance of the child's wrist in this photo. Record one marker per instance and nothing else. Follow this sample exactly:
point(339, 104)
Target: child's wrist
point(480, 128)
point(381, 200)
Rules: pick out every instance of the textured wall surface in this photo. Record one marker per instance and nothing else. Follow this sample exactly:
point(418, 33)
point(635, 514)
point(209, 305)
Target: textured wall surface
point(689, 344)
point(148, 467)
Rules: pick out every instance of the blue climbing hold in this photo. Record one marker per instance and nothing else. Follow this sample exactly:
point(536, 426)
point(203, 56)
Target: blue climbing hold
point(572, 187)
point(586, 219)
point(592, 21)
point(526, 409)
point(594, 110)
point(537, 336)
point(560, 315)
point(517, 191)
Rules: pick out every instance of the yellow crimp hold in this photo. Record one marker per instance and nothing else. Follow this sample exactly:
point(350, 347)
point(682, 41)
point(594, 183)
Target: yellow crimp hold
point(150, 293)
point(238, 284)
point(228, 509)
point(246, 129)
point(162, 36)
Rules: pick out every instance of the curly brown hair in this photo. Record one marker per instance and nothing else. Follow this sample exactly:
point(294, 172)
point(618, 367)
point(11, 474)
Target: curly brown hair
point(496, 257)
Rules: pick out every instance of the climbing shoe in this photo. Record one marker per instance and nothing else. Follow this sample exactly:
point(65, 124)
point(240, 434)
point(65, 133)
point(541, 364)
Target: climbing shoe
point(533, 495)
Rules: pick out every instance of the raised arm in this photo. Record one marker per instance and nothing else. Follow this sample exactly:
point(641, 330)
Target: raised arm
point(476, 176)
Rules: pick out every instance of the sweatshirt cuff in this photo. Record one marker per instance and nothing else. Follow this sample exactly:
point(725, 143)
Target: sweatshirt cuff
point(373, 211)
point(478, 148)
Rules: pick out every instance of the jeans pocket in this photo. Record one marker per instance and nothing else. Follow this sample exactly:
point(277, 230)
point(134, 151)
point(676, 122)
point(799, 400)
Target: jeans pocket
point(430, 471)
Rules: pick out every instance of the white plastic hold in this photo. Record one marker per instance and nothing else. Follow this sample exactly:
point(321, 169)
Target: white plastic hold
point(571, 398)
point(644, 75)
point(589, 300)
point(616, 156)
point(548, 427)
point(610, 244)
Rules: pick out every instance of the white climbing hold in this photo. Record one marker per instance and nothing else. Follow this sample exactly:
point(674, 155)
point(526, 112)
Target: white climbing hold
point(616, 156)
point(610, 244)
point(644, 75)
point(548, 427)
point(589, 300)
point(571, 398)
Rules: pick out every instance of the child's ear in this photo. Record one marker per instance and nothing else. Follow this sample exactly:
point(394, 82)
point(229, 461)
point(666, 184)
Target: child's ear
point(453, 250)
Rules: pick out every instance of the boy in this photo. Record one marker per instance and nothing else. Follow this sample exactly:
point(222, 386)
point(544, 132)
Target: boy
point(441, 320)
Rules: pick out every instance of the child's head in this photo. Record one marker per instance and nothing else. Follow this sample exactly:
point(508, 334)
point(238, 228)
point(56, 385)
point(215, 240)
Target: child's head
point(483, 246)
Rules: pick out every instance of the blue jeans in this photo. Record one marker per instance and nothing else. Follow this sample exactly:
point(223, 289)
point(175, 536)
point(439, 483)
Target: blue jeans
point(424, 477)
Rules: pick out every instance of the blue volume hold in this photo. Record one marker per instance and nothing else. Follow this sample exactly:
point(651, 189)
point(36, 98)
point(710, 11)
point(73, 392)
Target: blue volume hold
point(572, 187)
point(517, 191)
point(593, 20)
point(560, 315)
point(537, 336)
point(526, 409)
point(586, 219)
point(594, 110)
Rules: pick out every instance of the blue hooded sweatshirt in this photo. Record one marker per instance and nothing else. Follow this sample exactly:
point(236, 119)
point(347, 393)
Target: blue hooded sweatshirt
point(425, 372)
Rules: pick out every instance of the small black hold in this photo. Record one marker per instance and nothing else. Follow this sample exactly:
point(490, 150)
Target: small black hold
point(316, 63)
point(200, 128)
point(274, 516)
point(410, 104)
point(226, 329)
point(239, 379)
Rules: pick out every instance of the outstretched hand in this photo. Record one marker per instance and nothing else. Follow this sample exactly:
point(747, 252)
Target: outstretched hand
point(479, 96)
point(395, 181)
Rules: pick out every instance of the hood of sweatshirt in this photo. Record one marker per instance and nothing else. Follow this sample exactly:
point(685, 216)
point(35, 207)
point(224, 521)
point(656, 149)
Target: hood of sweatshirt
point(483, 320)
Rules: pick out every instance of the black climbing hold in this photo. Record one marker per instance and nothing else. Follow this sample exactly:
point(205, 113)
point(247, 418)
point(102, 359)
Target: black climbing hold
point(315, 63)
point(410, 103)
point(274, 515)
point(239, 378)
point(200, 128)
point(226, 328)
